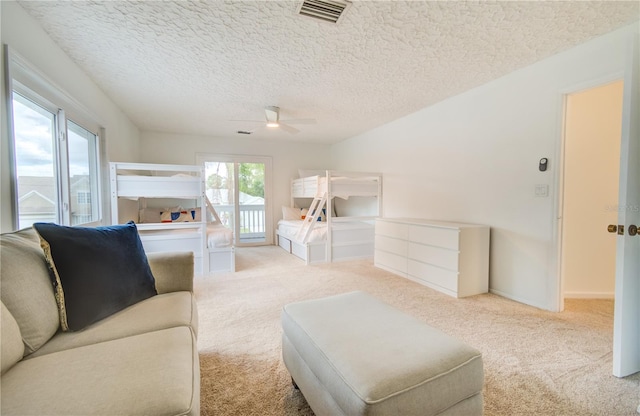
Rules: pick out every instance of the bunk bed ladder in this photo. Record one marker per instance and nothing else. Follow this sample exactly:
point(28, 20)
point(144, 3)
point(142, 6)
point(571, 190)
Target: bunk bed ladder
point(312, 216)
point(212, 210)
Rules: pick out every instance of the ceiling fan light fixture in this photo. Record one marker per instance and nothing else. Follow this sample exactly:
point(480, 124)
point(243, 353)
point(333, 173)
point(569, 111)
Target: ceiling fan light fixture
point(272, 114)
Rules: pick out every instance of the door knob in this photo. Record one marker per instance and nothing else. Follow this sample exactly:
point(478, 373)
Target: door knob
point(612, 228)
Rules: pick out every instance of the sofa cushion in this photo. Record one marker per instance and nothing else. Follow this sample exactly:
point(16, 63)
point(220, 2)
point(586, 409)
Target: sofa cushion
point(12, 345)
point(173, 271)
point(26, 288)
point(158, 312)
point(96, 271)
point(156, 373)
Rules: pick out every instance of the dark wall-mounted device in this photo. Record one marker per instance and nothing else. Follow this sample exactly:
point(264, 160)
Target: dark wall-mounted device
point(543, 164)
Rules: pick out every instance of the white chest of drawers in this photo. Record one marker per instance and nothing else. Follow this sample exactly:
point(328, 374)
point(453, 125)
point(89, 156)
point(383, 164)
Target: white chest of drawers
point(449, 257)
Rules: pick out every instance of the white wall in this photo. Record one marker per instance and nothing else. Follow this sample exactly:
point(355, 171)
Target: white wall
point(592, 167)
point(470, 158)
point(474, 158)
point(28, 39)
point(287, 156)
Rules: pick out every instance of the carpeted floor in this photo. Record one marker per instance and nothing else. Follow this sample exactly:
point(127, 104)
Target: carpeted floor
point(536, 362)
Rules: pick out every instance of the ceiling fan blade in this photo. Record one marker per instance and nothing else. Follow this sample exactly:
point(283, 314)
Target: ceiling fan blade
point(272, 120)
point(301, 121)
point(288, 129)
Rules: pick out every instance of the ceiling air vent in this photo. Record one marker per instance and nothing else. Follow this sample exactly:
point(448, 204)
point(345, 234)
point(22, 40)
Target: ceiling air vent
point(326, 10)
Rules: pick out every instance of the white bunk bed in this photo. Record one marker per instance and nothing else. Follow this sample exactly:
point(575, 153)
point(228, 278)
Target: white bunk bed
point(339, 210)
point(170, 209)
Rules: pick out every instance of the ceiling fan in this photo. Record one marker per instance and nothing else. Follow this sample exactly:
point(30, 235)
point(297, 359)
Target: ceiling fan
point(273, 121)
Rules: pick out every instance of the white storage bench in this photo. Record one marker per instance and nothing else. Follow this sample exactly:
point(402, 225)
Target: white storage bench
point(352, 354)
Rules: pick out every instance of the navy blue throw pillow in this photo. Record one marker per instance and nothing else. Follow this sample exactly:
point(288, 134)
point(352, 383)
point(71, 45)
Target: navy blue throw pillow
point(95, 271)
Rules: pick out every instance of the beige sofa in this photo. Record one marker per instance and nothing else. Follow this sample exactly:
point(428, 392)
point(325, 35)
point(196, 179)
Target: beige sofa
point(141, 360)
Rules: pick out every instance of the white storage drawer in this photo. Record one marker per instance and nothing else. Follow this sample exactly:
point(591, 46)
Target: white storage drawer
point(438, 256)
point(284, 242)
point(434, 236)
point(393, 262)
point(442, 278)
point(392, 229)
point(340, 235)
point(351, 251)
point(450, 257)
point(391, 245)
point(172, 242)
point(222, 260)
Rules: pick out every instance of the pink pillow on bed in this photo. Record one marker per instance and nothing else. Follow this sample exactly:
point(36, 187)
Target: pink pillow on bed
point(290, 213)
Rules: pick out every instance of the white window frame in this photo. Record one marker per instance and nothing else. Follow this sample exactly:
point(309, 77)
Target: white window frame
point(28, 81)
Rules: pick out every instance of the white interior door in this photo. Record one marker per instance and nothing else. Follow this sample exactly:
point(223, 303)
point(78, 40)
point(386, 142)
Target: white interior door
point(626, 327)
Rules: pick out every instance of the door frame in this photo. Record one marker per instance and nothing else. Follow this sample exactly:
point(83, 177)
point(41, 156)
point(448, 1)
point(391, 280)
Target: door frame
point(201, 158)
point(555, 286)
point(557, 290)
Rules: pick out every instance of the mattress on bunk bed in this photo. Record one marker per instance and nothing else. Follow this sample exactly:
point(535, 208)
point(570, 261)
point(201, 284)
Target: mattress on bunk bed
point(289, 229)
point(219, 236)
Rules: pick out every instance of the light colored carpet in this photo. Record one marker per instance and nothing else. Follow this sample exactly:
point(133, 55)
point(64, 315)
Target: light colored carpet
point(536, 362)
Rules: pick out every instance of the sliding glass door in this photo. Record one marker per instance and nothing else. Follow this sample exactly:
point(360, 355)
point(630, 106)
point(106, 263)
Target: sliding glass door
point(237, 188)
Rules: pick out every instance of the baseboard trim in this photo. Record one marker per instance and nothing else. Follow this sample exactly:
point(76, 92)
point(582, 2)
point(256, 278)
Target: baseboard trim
point(519, 299)
point(589, 295)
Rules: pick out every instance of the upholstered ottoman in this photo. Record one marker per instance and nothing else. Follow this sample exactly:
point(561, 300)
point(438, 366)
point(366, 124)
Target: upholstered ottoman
point(352, 354)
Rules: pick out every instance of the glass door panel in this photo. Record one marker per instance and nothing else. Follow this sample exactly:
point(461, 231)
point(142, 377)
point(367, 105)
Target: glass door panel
point(220, 190)
point(236, 188)
point(251, 202)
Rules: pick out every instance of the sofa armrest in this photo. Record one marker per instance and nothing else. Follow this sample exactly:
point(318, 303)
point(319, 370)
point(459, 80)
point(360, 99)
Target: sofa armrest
point(173, 271)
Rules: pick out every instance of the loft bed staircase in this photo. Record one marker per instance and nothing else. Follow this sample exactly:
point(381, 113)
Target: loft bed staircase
point(312, 216)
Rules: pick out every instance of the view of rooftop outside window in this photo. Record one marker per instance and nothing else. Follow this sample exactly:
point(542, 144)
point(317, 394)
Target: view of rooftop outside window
point(82, 162)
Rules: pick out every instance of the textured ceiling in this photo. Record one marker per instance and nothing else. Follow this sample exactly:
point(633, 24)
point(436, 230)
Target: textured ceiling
point(191, 66)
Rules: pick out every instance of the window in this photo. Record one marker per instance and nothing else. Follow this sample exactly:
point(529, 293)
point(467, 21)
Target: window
point(34, 139)
point(84, 197)
point(83, 173)
point(55, 156)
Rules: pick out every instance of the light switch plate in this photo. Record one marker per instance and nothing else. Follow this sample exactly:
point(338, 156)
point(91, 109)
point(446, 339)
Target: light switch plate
point(542, 191)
